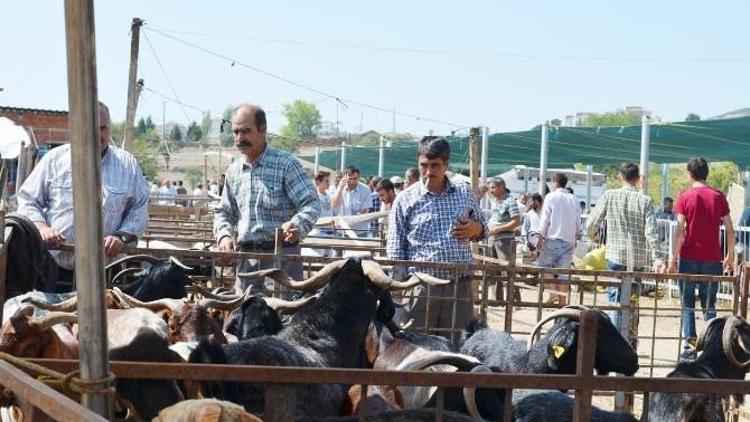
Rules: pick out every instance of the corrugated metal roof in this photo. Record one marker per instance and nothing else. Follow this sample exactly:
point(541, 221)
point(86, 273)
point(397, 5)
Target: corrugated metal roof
point(22, 110)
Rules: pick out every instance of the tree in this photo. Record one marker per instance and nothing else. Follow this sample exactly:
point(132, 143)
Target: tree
point(285, 144)
point(194, 176)
point(612, 118)
point(225, 137)
point(117, 131)
point(194, 132)
point(175, 134)
point(303, 120)
point(149, 124)
point(205, 125)
point(555, 122)
point(143, 151)
point(140, 128)
point(692, 117)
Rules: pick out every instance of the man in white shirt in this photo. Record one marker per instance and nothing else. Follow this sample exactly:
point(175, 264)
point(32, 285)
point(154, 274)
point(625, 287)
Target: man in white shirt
point(558, 228)
point(166, 194)
point(351, 198)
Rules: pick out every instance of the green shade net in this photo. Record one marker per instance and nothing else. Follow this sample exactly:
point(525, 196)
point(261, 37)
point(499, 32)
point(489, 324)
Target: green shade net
point(715, 140)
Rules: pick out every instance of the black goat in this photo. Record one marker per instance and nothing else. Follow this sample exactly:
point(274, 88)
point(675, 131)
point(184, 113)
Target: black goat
point(726, 355)
point(254, 319)
point(419, 415)
point(327, 333)
point(555, 352)
point(554, 406)
point(162, 279)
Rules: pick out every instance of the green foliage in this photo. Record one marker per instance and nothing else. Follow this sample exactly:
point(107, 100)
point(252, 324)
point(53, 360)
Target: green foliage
point(175, 134)
point(144, 126)
point(205, 125)
point(303, 120)
point(194, 132)
point(226, 138)
point(370, 138)
point(117, 131)
point(286, 144)
point(143, 150)
point(692, 117)
point(194, 176)
point(555, 122)
point(612, 118)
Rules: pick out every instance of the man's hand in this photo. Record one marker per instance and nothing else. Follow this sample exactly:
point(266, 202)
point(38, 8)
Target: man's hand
point(227, 244)
point(659, 267)
point(113, 246)
point(291, 232)
point(729, 263)
point(467, 230)
point(51, 237)
point(672, 267)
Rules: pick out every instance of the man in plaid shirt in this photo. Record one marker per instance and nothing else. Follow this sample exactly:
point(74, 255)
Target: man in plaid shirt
point(631, 229)
point(264, 190)
point(434, 220)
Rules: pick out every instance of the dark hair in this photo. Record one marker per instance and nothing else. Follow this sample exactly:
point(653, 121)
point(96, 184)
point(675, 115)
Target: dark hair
point(570, 190)
point(668, 199)
point(179, 183)
point(560, 178)
point(412, 172)
point(698, 168)
point(498, 181)
point(434, 147)
point(384, 184)
point(200, 185)
point(322, 175)
point(629, 172)
point(351, 169)
point(535, 197)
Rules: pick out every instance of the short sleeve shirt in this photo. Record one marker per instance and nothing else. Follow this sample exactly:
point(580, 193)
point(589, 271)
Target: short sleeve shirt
point(703, 208)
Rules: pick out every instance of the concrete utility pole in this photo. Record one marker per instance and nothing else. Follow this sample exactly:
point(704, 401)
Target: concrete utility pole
point(134, 88)
point(83, 122)
point(381, 157)
point(645, 152)
point(544, 150)
point(317, 160)
point(474, 134)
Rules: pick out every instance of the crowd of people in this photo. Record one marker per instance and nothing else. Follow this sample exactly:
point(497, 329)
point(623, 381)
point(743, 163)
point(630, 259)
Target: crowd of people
point(431, 218)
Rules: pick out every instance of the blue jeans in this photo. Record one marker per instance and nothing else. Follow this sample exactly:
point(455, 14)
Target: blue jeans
point(706, 290)
point(613, 294)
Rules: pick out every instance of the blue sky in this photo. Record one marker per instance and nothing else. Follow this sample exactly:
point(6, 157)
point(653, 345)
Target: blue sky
point(507, 65)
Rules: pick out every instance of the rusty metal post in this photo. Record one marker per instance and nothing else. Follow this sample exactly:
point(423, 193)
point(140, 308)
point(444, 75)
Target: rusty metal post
point(744, 290)
point(83, 121)
point(585, 365)
point(278, 249)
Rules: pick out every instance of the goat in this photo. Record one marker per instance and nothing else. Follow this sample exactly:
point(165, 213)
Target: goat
point(163, 279)
point(554, 406)
point(555, 353)
point(725, 343)
point(327, 333)
point(205, 410)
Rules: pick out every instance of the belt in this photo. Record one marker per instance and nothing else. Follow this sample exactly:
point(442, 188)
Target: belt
point(266, 246)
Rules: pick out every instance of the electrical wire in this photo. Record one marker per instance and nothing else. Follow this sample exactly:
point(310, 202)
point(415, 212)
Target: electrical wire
point(171, 86)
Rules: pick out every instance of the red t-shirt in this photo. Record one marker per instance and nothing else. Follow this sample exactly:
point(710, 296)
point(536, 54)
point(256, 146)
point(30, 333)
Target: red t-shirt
point(703, 209)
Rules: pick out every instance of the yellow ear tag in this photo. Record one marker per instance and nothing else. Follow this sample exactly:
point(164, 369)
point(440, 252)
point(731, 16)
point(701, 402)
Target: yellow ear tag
point(558, 351)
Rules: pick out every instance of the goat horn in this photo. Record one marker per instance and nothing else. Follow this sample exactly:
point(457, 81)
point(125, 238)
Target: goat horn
point(224, 304)
point(45, 322)
point(727, 338)
point(700, 343)
point(311, 284)
point(124, 273)
point(470, 396)
point(462, 362)
point(196, 289)
point(155, 305)
point(377, 276)
point(288, 306)
point(566, 312)
point(67, 305)
point(139, 257)
point(179, 263)
point(26, 309)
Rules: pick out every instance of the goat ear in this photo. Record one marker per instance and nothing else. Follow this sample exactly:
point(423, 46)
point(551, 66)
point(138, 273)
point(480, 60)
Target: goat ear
point(386, 308)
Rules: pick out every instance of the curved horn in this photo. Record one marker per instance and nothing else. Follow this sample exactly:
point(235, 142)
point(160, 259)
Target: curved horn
point(224, 304)
point(123, 273)
point(288, 306)
point(67, 305)
point(311, 284)
point(179, 263)
point(25, 310)
point(45, 322)
point(377, 276)
point(470, 395)
point(728, 337)
point(139, 257)
point(432, 358)
point(566, 312)
point(155, 305)
point(196, 289)
point(700, 343)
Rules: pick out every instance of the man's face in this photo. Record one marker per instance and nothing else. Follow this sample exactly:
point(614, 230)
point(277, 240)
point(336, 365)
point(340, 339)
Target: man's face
point(496, 189)
point(534, 205)
point(247, 138)
point(668, 206)
point(409, 179)
point(323, 184)
point(433, 169)
point(104, 129)
point(352, 180)
point(387, 196)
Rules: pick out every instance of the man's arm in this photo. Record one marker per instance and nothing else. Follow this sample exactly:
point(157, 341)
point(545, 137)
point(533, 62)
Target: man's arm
point(397, 244)
point(135, 218)
point(597, 214)
point(364, 208)
point(302, 193)
point(506, 227)
point(730, 239)
point(679, 237)
point(544, 219)
point(226, 214)
point(338, 196)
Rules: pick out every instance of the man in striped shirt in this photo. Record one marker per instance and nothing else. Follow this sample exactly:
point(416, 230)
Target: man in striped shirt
point(46, 198)
point(265, 190)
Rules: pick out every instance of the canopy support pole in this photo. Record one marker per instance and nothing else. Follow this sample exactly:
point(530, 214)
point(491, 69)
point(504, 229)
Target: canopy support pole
point(664, 181)
point(317, 160)
point(543, 158)
point(343, 155)
point(645, 152)
point(589, 181)
point(381, 157)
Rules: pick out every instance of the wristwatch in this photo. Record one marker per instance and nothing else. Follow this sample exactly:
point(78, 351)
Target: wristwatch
point(124, 237)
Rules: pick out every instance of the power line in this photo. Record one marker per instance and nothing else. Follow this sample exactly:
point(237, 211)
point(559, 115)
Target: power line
point(174, 91)
point(235, 62)
point(468, 53)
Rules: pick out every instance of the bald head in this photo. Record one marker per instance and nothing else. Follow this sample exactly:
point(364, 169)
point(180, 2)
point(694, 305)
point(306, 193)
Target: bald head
point(249, 130)
point(253, 112)
point(104, 126)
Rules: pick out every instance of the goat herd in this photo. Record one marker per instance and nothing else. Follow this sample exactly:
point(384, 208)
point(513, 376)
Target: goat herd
point(343, 319)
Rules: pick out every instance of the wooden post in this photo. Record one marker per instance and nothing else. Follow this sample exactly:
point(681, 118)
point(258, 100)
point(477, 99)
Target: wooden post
point(474, 157)
point(585, 365)
point(83, 122)
point(133, 90)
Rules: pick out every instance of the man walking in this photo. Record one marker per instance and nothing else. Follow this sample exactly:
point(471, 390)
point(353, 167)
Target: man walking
point(701, 210)
point(265, 190)
point(558, 230)
point(631, 230)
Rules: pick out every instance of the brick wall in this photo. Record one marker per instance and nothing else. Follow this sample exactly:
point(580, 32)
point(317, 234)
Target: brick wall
point(49, 126)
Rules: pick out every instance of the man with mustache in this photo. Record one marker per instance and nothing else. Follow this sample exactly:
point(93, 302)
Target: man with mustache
point(266, 189)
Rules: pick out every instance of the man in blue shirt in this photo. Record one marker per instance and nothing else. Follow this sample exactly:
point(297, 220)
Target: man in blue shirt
point(434, 220)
